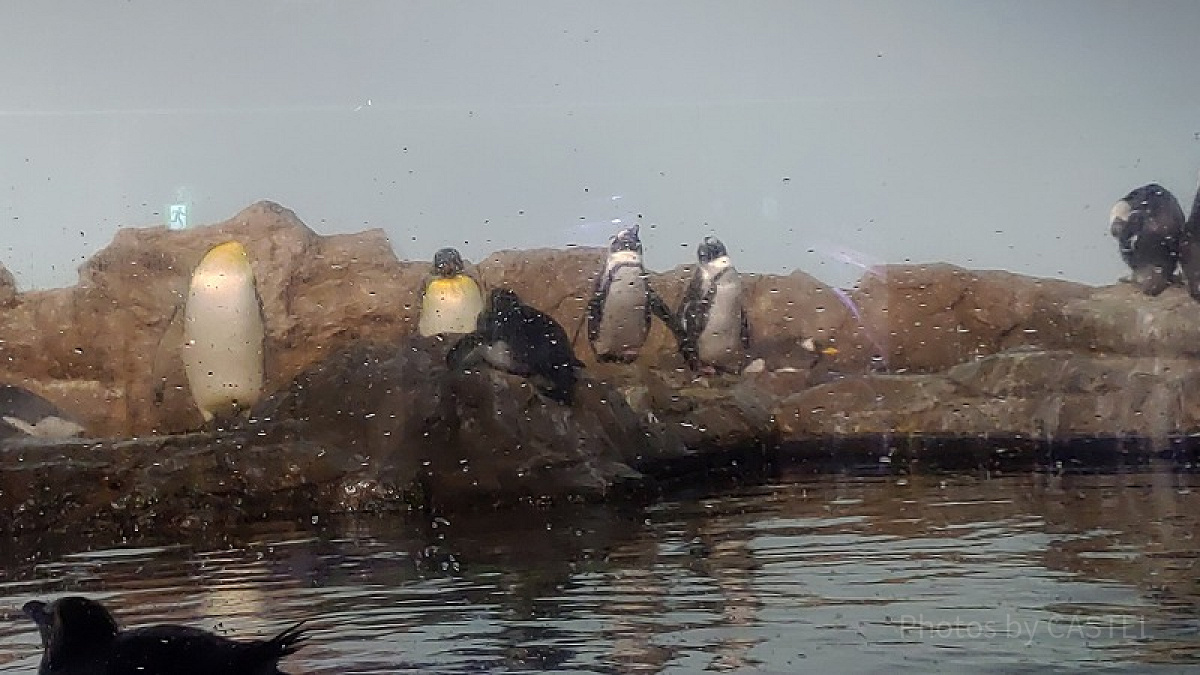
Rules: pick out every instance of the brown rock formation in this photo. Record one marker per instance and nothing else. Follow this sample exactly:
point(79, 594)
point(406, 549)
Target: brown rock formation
point(1039, 394)
point(928, 317)
point(464, 437)
point(1120, 319)
point(8, 288)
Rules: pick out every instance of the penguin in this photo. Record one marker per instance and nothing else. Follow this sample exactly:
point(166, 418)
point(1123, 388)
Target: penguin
point(1189, 250)
point(618, 314)
point(1148, 226)
point(711, 324)
point(223, 335)
point(24, 413)
point(515, 338)
point(80, 637)
point(451, 300)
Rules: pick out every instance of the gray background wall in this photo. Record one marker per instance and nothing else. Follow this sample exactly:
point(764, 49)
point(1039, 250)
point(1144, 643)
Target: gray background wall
point(816, 135)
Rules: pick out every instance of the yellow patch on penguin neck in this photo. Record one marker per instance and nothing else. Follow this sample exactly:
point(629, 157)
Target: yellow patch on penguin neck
point(457, 284)
point(229, 253)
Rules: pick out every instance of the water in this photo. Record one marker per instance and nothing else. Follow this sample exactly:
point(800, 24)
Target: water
point(809, 573)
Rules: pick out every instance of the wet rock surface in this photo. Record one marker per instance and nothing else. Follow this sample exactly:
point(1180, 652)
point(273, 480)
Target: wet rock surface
point(363, 414)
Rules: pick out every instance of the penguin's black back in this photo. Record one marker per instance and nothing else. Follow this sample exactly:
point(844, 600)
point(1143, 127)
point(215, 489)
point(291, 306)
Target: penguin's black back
point(80, 637)
point(182, 650)
point(538, 344)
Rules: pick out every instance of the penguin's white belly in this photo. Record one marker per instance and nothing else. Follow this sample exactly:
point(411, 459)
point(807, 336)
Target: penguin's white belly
point(450, 306)
point(720, 342)
point(223, 341)
point(623, 327)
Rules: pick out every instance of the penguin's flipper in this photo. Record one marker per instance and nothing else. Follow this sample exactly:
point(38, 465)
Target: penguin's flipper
point(659, 308)
point(591, 317)
point(595, 312)
point(465, 353)
point(168, 344)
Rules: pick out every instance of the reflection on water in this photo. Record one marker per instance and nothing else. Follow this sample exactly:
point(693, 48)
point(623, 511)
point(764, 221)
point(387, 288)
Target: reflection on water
point(821, 574)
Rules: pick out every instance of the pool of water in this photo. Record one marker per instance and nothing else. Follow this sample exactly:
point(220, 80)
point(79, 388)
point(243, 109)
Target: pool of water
point(825, 573)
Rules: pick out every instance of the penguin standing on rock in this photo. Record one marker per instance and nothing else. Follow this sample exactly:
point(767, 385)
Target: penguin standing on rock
point(80, 637)
point(451, 300)
point(515, 338)
point(711, 324)
point(1189, 250)
point(618, 315)
point(1148, 225)
point(224, 333)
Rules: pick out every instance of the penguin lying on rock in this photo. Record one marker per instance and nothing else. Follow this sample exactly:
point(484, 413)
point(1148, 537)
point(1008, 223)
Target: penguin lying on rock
point(80, 637)
point(515, 338)
point(618, 315)
point(24, 413)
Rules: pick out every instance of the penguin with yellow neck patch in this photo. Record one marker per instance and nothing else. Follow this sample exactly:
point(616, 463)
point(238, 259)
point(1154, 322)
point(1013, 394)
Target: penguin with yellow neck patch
point(223, 334)
point(451, 300)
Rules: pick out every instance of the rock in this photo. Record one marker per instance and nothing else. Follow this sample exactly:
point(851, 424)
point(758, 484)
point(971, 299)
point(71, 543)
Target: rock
point(176, 483)
point(925, 318)
point(1121, 319)
point(104, 348)
point(1033, 393)
point(8, 288)
point(463, 438)
point(119, 326)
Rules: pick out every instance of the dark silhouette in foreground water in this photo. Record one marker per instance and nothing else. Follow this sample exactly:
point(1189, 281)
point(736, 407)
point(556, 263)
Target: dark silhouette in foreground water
point(80, 637)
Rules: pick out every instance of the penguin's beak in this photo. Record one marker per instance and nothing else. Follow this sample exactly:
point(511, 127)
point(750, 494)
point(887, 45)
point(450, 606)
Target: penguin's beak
point(829, 351)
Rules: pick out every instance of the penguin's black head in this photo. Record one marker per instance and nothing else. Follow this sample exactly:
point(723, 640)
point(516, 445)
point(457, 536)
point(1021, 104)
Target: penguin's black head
point(502, 301)
point(447, 263)
point(711, 249)
point(626, 240)
point(72, 626)
point(1147, 198)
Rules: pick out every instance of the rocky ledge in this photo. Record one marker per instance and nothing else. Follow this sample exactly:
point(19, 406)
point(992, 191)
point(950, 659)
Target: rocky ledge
point(364, 414)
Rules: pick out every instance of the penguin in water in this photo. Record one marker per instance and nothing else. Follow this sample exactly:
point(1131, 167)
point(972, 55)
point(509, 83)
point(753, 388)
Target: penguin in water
point(1189, 250)
point(515, 338)
point(711, 325)
point(80, 637)
point(223, 334)
point(618, 315)
point(451, 300)
point(1148, 225)
point(24, 413)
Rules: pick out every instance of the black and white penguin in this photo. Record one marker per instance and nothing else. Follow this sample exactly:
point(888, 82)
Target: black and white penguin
point(1189, 250)
point(1148, 226)
point(515, 338)
point(450, 299)
point(80, 637)
point(712, 329)
point(618, 315)
point(24, 413)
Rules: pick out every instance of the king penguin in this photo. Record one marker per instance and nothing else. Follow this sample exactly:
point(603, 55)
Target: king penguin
point(618, 315)
point(711, 325)
point(518, 339)
point(223, 334)
point(1148, 225)
point(450, 300)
